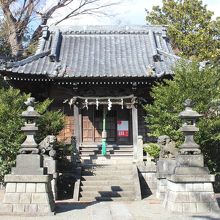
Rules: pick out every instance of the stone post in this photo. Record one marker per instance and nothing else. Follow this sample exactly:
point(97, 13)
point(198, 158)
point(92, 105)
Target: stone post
point(28, 187)
point(140, 146)
point(166, 164)
point(189, 188)
point(165, 168)
point(48, 151)
point(51, 166)
point(135, 130)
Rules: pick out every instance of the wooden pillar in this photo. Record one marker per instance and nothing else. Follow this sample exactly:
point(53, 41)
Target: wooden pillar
point(135, 130)
point(80, 126)
point(77, 129)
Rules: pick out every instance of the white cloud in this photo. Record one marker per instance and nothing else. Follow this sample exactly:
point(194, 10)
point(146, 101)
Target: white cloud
point(128, 12)
point(213, 5)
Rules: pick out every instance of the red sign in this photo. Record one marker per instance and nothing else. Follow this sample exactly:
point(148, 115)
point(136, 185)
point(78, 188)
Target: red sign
point(122, 128)
point(122, 133)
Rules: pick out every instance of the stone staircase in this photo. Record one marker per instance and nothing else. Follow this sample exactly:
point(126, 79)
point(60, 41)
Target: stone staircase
point(90, 153)
point(111, 182)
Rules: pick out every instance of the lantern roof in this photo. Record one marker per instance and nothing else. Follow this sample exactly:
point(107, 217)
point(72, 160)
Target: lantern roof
point(189, 113)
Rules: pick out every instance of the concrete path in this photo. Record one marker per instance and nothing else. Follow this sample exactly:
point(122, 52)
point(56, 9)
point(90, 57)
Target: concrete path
point(148, 209)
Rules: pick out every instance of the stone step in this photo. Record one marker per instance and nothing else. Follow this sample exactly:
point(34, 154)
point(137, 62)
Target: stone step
point(107, 158)
point(87, 149)
point(124, 150)
point(107, 188)
point(122, 154)
point(114, 146)
point(107, 166)
point(113, 161)
point(107, 194)
point(107, 182)
point(96, 150)
point(121, 183)
point(106, 172)
point(111, 154)
point(107, 177)
point(90, 199)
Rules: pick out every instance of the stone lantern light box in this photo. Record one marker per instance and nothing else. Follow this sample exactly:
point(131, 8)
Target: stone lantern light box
point(30, 129)
point(189, 117)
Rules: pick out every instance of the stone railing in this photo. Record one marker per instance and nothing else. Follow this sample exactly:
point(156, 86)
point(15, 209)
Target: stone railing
point(2, 186)
point(147, 171)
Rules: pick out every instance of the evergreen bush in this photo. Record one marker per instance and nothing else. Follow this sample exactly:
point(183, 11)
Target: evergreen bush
point(11, 107)
point(199, 85)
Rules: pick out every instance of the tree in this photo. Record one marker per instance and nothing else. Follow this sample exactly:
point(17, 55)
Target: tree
point(201, 86)
point(190, 28)
point(12, 105)
point(5, 49)
point(19, 14)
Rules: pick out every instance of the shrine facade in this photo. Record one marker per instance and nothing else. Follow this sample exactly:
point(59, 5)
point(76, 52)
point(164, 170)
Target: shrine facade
point(100, 77)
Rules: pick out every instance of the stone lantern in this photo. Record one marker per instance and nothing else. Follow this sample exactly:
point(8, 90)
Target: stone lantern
point(30, 129)
point(29, 161)
point(189, 188)
point(189, 128)
point(28, 187)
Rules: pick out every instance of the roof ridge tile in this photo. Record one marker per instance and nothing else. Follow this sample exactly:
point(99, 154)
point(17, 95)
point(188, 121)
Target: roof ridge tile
point(28, 60)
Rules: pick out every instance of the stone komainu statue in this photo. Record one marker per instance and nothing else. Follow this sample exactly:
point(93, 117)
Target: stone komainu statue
point(47, 146)
point(167, 147)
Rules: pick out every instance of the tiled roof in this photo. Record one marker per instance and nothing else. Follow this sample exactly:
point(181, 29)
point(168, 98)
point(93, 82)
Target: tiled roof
point(100, 51)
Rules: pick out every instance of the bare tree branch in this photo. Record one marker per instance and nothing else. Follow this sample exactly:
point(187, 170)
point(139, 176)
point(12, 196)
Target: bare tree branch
point(25, 15)
point(7, 12)
point(45, 16)
point(18, 19)
point(85, 9)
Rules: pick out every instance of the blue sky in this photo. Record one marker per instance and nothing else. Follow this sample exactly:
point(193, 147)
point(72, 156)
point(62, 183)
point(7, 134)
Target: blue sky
point(129, 12)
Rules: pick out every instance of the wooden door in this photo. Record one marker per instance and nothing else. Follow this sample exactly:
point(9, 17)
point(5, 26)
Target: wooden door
point(93, 125)
point(111, 126)
point(98, 125)
point(88, 128)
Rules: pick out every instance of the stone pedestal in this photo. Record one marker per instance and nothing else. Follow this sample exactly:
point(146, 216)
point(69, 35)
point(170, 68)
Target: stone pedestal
point(165, 167)
point(28, 164)
point(190, 194)
point(28, 195)
point(189, 189)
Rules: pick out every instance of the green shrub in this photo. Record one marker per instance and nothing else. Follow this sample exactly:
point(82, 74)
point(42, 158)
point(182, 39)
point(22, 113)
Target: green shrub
point(202, 87)
point(152, 149)
point(11, 107)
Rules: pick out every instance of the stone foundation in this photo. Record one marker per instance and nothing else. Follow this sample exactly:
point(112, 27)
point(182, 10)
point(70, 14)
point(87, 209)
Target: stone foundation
point(28, 195)
point(190, 197)
point(148, 172)
point(51, 165)
point(165, 167)
point(161, 188)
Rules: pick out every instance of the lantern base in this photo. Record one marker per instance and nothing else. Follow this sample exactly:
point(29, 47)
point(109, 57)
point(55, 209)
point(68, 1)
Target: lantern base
point(190, 160)
point(28, 164)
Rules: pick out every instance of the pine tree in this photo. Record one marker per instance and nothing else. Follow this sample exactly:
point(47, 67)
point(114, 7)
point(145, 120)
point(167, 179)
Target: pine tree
point(191, 29)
